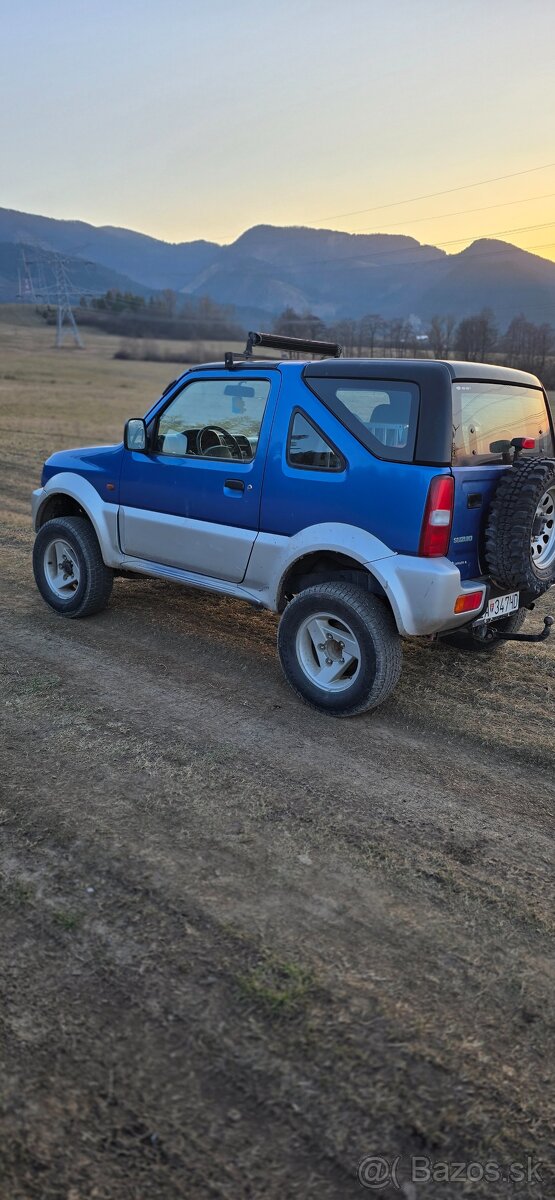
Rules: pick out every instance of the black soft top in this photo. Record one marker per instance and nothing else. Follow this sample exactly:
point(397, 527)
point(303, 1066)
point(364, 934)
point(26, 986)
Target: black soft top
point(421, 370)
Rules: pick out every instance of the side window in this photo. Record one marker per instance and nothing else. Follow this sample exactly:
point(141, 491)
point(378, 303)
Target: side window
point(382, 414)
point(213, 418)
point(385, 414)
point(307, 447)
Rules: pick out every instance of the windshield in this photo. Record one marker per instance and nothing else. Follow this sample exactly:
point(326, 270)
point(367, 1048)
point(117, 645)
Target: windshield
point(487, 416)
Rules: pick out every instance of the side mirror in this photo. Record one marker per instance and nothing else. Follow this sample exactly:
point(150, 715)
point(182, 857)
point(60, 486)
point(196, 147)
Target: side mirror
point(134, 434)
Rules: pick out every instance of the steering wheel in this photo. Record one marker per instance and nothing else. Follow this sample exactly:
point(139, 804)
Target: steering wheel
point(228, 440)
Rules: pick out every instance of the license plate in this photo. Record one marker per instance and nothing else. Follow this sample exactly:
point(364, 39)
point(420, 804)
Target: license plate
point(502, 606)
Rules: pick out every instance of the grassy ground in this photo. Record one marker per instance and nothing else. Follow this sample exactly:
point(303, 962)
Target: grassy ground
point(245, 946)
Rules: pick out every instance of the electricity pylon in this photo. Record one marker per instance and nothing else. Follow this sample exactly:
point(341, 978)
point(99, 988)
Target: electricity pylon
point(27, 293)
point(65, 320)
point(45, 280)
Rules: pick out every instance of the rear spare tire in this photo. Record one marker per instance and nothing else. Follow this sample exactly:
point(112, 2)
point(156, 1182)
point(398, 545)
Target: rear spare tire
point(520, 533)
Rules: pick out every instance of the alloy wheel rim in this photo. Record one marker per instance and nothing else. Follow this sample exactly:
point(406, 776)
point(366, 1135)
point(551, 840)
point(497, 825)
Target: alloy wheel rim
point(61, 568)
point(328, 652)
point(542, 541)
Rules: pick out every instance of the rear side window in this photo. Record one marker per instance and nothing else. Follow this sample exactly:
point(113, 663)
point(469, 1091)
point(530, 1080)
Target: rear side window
point(487, 416)
point(308, 448)
point(383, 415)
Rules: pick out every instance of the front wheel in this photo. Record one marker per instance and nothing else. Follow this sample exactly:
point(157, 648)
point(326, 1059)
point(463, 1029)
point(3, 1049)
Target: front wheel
point(69, 570)
point(339, 648)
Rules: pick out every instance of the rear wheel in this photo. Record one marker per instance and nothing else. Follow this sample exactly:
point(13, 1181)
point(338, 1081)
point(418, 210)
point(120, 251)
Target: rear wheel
point(485, 639)
point(339, 648)
point(69, 570)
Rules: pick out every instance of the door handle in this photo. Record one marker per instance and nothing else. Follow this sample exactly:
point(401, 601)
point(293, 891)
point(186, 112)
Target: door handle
point(235, 485)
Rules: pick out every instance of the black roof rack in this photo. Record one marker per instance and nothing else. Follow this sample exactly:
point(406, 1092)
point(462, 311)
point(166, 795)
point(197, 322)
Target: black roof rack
point(277, 341)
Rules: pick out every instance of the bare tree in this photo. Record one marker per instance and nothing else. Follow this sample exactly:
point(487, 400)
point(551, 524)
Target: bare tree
point(370, 326)
point(287, 324)
point(386, 338)
point(300, 325)
point(400, 337)
point(347, 335)
point(436, 337)
point(477, 336)
point(450, 326)
point(528, 346)
point(440, 335)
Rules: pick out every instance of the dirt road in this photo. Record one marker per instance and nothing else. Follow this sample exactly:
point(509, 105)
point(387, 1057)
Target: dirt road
point(244, 945)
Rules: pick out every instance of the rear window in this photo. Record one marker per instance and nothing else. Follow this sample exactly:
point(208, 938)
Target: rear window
point(382, 414)
point(487, 416)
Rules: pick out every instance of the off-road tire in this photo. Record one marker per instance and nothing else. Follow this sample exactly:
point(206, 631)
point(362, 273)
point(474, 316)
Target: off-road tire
point(509, 528)
point(374, 628)
point(96, 579)
point(468, 640)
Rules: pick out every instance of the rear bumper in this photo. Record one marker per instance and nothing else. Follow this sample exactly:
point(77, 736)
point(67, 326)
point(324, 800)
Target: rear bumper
point(423, 591)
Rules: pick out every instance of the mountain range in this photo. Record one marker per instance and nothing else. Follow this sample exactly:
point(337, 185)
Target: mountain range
point(269, 268)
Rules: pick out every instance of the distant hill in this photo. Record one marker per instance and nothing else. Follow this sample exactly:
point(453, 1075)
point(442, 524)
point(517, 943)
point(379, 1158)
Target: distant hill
point(86, 277)
point(505, 278)
point(155, 263)
point(329, 273)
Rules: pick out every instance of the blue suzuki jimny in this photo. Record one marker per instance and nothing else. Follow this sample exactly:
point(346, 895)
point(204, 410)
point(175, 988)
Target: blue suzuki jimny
point(365, 500)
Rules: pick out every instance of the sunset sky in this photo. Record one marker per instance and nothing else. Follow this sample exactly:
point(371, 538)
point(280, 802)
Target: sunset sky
point(186, 120)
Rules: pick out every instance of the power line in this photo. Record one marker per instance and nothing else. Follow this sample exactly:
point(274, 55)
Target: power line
point(499, 233)
point(478, 254)
point(431, 195)
point(54, 292)
point(453, 241)
point(306, 262)
point(413, 200)
point(460, 213)
point(416, 262)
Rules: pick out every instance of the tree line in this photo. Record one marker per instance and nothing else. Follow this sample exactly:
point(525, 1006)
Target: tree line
point(164, 315)
point(475, 338)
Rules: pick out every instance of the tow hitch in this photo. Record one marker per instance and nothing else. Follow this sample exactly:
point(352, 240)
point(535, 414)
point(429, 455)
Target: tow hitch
point(529, 637)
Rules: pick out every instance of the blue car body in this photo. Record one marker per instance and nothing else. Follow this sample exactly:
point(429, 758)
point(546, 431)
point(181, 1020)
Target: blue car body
point(242, 524)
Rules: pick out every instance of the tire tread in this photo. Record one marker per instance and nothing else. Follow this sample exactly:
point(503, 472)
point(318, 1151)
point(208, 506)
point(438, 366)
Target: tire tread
point(511, 515)
point(379, 623)
point(98, 577)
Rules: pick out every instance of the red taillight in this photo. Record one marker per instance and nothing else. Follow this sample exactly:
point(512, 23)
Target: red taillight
point(522, 443)
point(438, 517)
point(468, 602)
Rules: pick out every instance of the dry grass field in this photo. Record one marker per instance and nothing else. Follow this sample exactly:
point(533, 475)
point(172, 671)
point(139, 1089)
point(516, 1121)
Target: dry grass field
point(243, 945)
